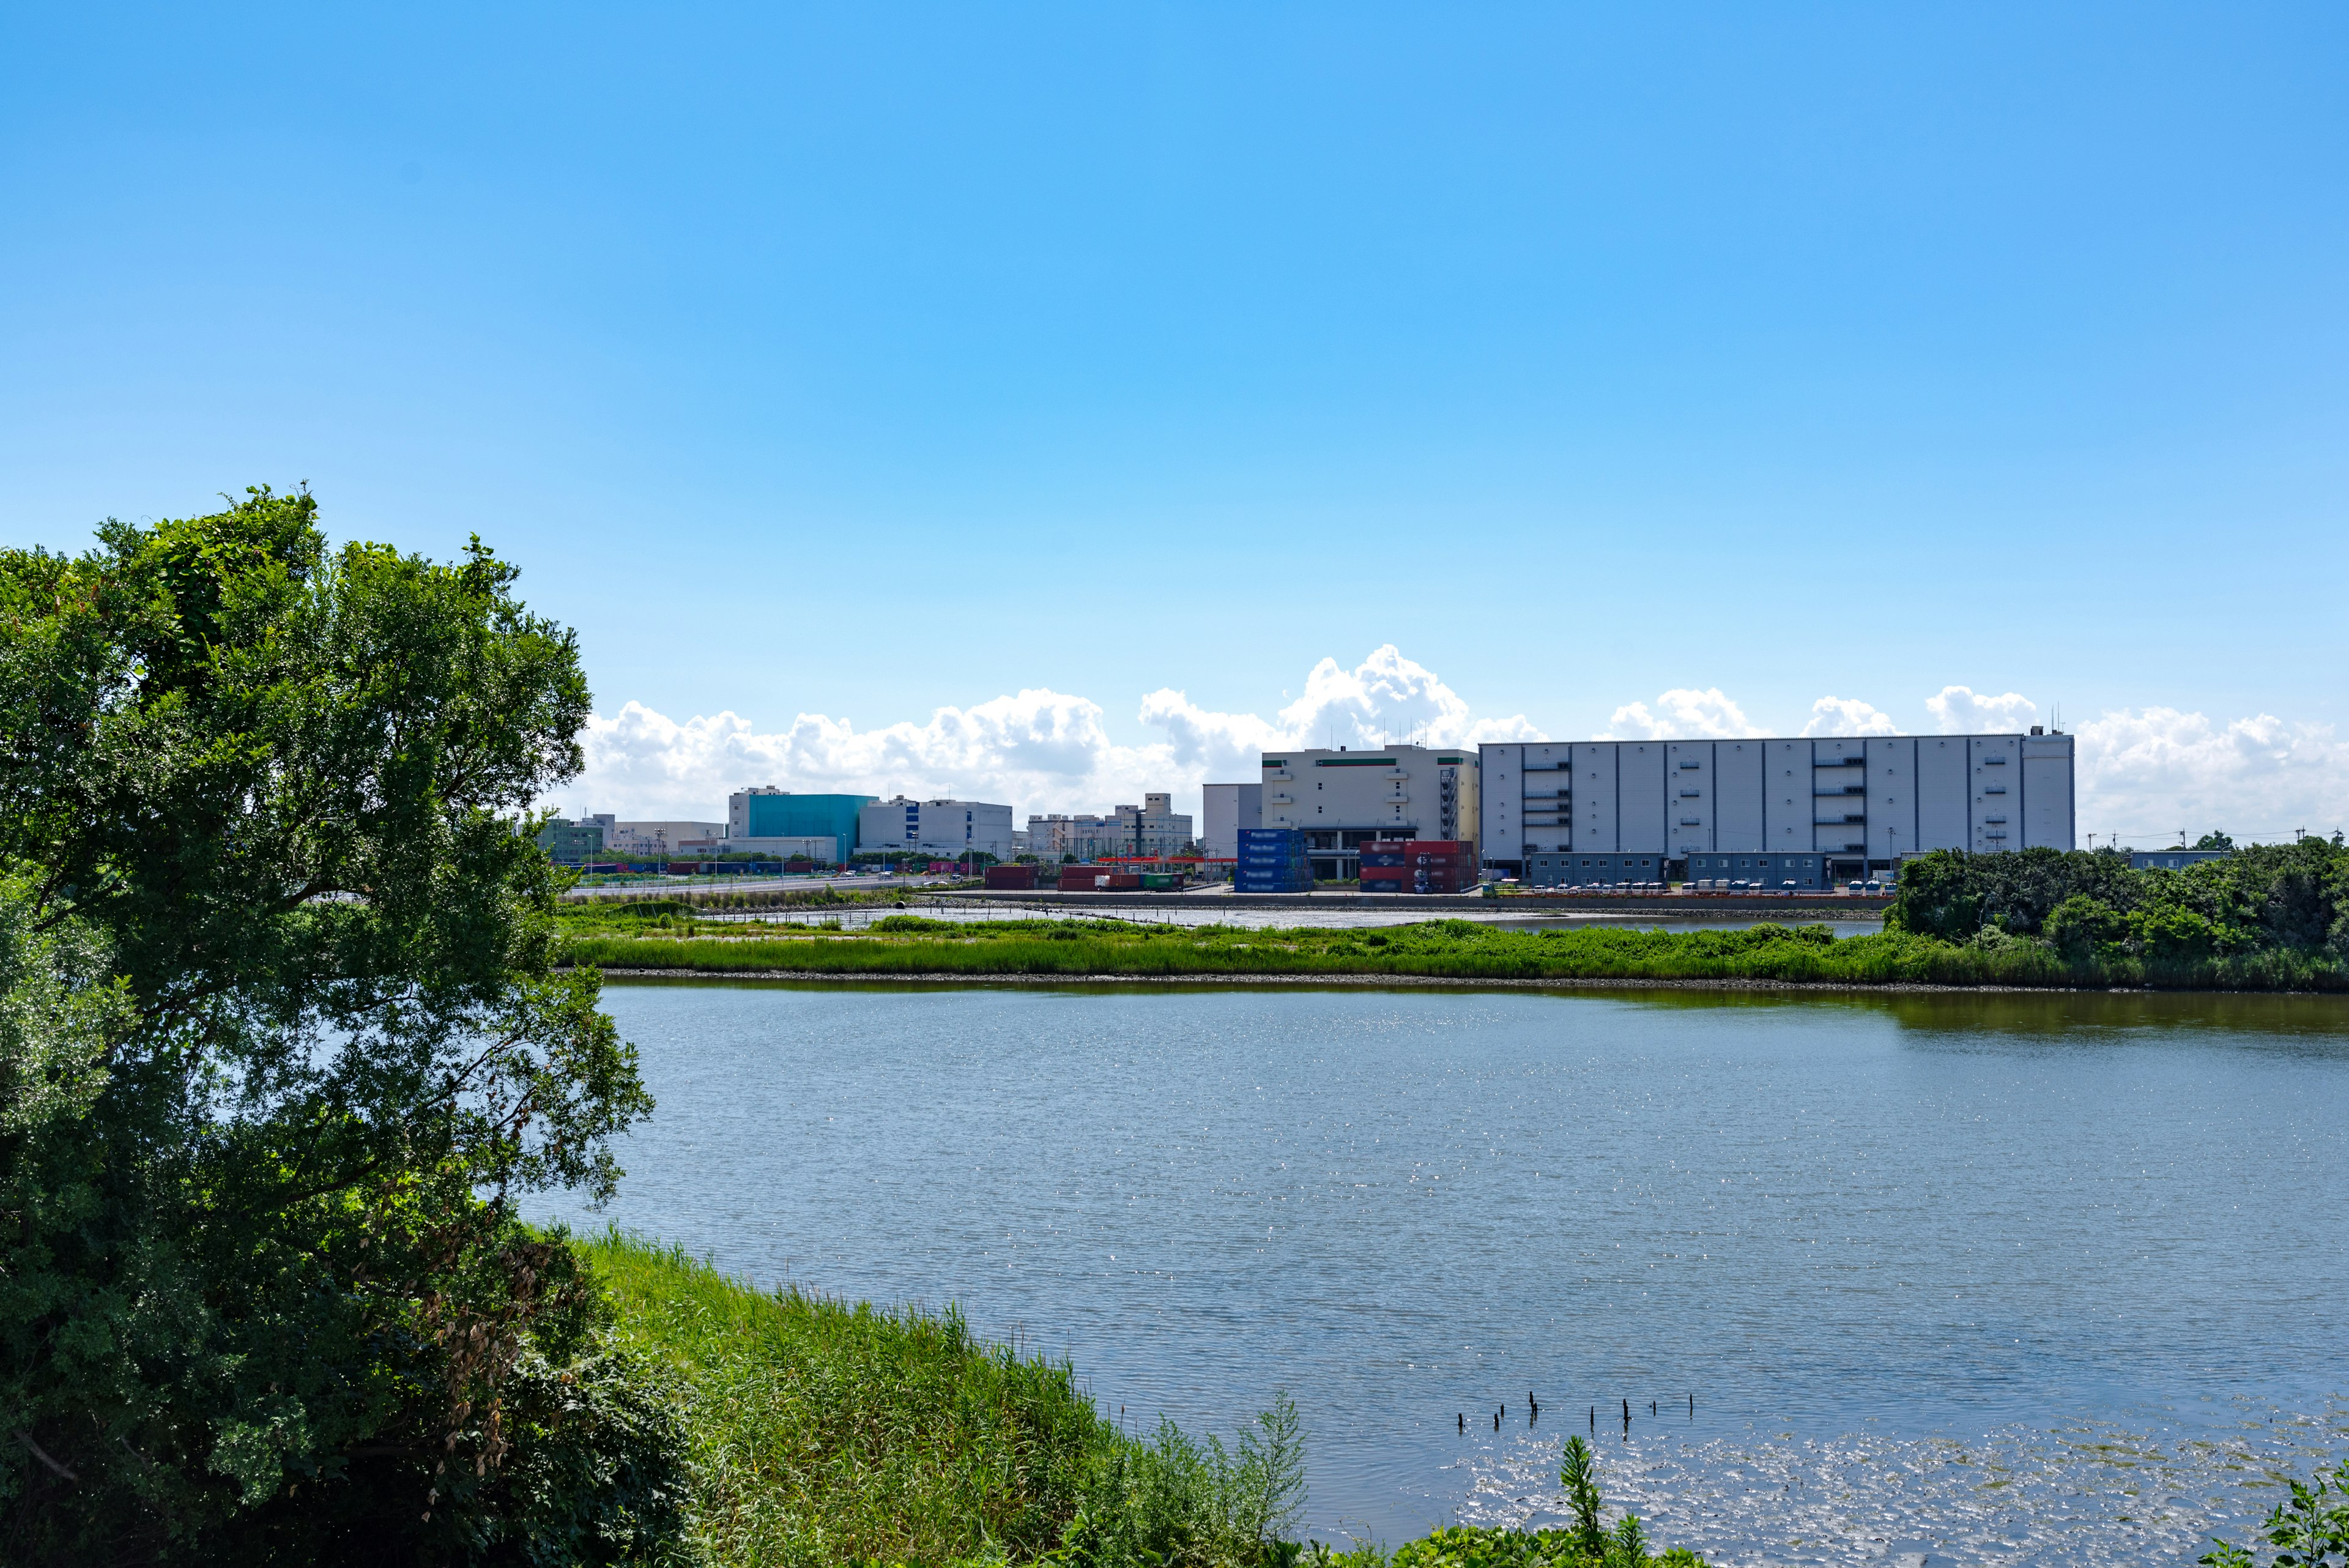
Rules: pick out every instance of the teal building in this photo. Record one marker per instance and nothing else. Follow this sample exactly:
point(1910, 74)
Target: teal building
point(779, 813)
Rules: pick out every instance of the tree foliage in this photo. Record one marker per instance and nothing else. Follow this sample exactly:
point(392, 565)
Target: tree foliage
point(281, 1045)
point(2287, 899)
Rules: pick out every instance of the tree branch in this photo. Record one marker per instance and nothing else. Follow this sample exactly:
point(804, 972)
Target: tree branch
point(55, 1468)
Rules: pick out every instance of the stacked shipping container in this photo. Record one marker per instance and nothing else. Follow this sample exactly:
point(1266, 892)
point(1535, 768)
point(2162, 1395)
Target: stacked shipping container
point(1272, 860)
point(1098, 879)
point(1419, 866)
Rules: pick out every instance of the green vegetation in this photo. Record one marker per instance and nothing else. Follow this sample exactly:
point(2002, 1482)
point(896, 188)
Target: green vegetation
point(281, 1046)
point(823, 1432)
point(2272, 917)
point(1588, 1543)
point(2310, 1531)
point(1997, 948)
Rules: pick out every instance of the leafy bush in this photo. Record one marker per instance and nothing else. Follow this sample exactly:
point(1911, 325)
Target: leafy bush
point(1588, 1543)
point(2310, 1531)
point(2274, 914)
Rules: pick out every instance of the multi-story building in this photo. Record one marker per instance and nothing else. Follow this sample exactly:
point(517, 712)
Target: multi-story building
point(1223, 810)
point(1858, 802)
point(656, 839)
point(936, 827)
point(569, 842)
point(1344, 799)
point(766, 812)
point(1060, 837)
point(1153, 828)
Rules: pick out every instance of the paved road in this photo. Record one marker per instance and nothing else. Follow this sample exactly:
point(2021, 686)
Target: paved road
point(685, 887)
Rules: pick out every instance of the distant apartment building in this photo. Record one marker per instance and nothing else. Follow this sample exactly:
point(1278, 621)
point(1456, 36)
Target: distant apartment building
point(1153, 828)
point(936, 827)
point(1344, 799)
point(1857, 803)
point(767, 813)
point(1223, 810)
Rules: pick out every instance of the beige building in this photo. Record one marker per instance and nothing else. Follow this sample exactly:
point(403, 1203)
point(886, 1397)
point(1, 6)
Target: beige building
point(1344, 799)
point(1152, 828)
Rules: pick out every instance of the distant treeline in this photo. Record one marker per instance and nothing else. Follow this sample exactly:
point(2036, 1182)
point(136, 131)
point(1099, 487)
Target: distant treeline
point(2272, 915)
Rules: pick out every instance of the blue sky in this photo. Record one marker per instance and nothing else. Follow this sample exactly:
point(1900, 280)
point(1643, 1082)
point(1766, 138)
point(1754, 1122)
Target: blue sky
point(859, 362)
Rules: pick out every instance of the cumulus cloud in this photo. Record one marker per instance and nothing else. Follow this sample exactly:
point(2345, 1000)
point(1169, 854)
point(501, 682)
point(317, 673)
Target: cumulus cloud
point(1683, 713)
point(1848, 716)
point(2148, 772)
point(1962, 711)
point(2144, 773)
point(1041, 750)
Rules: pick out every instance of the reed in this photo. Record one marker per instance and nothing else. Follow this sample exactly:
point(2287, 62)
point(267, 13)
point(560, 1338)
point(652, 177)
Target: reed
point(821, 1431)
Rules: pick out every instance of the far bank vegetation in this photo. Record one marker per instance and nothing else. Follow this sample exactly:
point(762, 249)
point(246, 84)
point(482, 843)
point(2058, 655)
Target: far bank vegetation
point(2270, 918)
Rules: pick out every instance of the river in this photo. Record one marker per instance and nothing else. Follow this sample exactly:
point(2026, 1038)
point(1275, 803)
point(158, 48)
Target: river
point(1998, 1279)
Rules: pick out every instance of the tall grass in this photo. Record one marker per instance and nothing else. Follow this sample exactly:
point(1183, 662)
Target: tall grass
point(823, 1432)
point(1454, 949)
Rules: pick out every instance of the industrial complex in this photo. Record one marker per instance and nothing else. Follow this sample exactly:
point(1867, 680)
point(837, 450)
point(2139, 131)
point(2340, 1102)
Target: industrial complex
point(1768, 812)
point(1846, 807)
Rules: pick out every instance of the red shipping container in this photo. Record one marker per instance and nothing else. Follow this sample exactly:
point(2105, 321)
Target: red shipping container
point(1014, 876)
point(1098, 879)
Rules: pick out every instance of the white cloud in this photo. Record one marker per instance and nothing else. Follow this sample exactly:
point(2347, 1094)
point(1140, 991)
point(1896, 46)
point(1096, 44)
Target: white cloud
point(1684, 713)
point(1040, 750)
point(1848, 716)
point(2147, 773)
point(2144, 773)
point(1962, 711)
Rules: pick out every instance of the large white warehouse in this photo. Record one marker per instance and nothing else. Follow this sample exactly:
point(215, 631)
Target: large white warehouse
point(1858, 802)
point(934, 828)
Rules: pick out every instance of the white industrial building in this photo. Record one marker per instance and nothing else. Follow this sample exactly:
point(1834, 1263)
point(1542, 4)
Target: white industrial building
point(1856, 802)
point(656, 838)
point(1344, 799)
point(945, 827)
point(1153, 828)
point(1223, 810)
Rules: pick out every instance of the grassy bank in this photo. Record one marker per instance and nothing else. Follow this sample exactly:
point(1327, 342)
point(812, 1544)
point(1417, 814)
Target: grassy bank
point(820, 1432)
point(1461, 949)
point(824, 1433)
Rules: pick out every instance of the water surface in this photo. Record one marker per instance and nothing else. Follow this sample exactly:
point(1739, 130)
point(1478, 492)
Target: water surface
point(2012, 1279)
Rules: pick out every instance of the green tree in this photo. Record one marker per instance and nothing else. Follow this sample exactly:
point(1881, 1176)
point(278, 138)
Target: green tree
point(1579, 1475)
point(2214, 841)
point(263, 1291)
